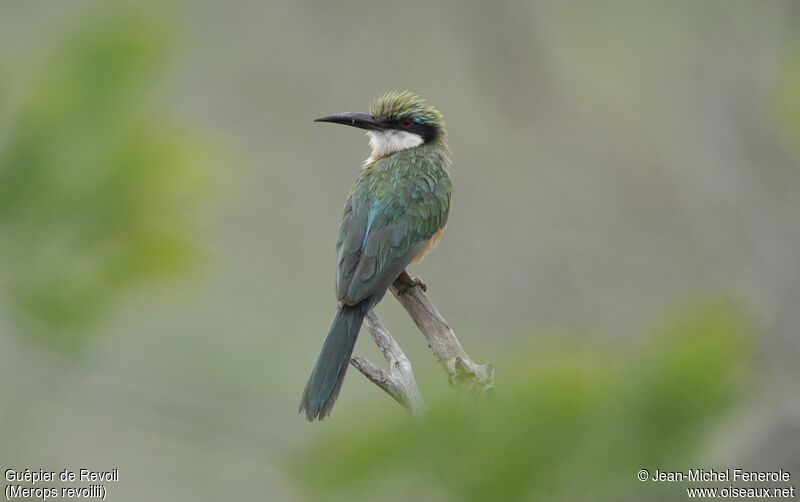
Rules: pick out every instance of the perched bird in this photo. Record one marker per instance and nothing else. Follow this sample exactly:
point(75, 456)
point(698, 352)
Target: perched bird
point(395, 214)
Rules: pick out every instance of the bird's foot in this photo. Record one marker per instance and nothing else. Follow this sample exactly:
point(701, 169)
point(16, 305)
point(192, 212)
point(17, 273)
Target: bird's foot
point(416, 281)
point(405, 282)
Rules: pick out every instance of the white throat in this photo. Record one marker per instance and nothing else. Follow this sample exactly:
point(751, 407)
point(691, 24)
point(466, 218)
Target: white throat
point(387, 142)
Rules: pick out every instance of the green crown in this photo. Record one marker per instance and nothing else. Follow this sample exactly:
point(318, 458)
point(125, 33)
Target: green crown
point(397, 104)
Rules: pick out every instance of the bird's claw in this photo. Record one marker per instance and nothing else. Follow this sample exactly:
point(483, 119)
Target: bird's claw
point(410, 283)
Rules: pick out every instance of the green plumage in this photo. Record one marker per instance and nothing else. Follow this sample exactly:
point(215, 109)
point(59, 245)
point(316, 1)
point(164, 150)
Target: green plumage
point(397, 104)
point(397, 204)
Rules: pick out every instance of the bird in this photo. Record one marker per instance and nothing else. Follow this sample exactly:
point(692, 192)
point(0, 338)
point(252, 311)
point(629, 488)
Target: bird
point(394, 215)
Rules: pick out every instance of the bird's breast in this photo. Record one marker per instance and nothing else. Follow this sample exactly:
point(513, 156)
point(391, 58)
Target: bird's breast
point(429, 245)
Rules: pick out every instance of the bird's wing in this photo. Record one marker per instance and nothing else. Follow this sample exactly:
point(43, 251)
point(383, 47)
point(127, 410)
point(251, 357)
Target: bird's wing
point(379, 238)
point(348, 247)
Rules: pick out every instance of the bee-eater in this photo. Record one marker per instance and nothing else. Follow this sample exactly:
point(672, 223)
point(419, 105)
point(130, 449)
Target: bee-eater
point(394, 215)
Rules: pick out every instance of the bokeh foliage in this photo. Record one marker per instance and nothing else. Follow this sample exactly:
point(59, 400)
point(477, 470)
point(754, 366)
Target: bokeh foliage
point(611, 158)
point(569, 423)
point(786, 99)
point(96, 182)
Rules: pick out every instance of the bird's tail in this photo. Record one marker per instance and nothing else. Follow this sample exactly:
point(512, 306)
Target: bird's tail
point(328, 373)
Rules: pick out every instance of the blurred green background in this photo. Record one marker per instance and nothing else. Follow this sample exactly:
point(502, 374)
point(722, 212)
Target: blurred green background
point(623, 244)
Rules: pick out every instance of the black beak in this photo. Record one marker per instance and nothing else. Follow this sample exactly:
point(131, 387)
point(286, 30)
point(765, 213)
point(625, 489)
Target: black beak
point(354, 119)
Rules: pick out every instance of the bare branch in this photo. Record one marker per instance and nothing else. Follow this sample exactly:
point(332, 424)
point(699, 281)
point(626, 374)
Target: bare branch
point(464, 373)
point(399, 381)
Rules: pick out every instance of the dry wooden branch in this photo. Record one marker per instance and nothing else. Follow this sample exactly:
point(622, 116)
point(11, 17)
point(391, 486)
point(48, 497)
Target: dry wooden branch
point(399, 381)
point(463, 372)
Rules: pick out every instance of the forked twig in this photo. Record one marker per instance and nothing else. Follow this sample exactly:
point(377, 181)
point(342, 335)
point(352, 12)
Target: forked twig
point(399, 381)
point(463, 373)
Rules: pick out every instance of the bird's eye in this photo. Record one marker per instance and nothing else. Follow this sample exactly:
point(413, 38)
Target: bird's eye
point(405, 123)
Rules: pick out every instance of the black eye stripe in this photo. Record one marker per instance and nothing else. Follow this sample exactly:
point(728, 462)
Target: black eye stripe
point(427, 132)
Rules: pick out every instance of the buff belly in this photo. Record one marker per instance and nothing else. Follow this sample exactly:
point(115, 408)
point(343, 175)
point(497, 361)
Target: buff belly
point(428, 246)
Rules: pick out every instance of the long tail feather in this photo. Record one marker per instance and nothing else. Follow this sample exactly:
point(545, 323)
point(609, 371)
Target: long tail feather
point(326, 378)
